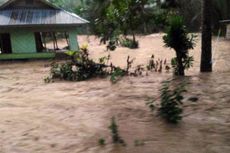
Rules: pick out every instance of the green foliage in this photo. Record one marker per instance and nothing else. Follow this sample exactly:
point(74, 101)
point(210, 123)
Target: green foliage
point(129, 43)
point(177, 36)
point(187, 63)
point(80, 68)
point(170, 101)
point(150, 18)
point(104, 59)
point(48, 80)
point(71, 53)
point(63, 72)
point(114, 18)
point(115, 133)
point(178, 39)
point(157, 20)
point(101, 141)
point(117, 74)
point(111, 45)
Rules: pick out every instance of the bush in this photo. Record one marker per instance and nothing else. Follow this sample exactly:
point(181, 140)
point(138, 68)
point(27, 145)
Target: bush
point(114, 132)
point(111, 45)
point(117, 74)
point(170, 102)
point(177, 38)
point(129, 43)
point(101, 141)
point(63, 72)
point(79, 68)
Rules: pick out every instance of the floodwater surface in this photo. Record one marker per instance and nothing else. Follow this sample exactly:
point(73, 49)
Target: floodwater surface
point(70, 117)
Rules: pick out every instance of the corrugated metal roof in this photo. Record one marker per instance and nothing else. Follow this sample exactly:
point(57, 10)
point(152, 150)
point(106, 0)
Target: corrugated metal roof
point(27, 17)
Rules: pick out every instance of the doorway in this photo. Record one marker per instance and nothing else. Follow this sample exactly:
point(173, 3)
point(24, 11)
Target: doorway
point(51, 41)
point(5, 43)
point(38, 41)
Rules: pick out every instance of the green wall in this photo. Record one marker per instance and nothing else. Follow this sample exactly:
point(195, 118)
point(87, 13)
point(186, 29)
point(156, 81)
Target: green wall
point(73, 40)
point(228, 32)
point(23, 41)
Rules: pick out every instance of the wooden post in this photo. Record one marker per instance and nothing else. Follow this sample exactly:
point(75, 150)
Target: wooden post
point(55, 40)
point(52, 34)
point(44, 39)
point(67, 40)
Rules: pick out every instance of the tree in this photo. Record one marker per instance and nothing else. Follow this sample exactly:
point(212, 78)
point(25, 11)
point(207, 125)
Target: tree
point(178, 39)
point(206, 55)
point(117, 17)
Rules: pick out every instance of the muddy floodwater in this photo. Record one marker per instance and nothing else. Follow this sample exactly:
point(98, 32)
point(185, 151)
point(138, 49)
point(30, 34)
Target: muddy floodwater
point(67, 117)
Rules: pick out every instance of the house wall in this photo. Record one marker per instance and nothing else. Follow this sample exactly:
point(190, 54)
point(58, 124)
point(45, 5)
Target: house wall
point(73, 40)
point(228, 32)
point(23, 41)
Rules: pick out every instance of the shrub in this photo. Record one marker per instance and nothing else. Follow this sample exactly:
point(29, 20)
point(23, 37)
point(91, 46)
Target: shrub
point(48, 80)
point(80, 68)
point(170, 102)
point(101, 141)
point(117, 74)
point(114, 132)
point(178, 38)
point(111, 45)
point(63, 72)
point(129, 43)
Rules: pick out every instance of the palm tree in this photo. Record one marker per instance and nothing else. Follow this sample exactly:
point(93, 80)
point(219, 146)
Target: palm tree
point(206, 55)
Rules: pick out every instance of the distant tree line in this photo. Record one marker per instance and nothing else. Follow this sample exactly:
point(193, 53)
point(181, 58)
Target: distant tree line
point(154, 12)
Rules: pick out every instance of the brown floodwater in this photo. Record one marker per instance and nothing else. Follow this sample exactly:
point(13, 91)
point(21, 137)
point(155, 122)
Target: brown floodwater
point(67, 117)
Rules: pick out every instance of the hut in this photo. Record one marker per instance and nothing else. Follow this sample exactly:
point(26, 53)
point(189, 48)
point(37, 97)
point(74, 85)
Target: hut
point(227, 23)
point(26, 26)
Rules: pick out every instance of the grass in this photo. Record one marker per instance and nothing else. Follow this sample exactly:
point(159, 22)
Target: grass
point(22, 56)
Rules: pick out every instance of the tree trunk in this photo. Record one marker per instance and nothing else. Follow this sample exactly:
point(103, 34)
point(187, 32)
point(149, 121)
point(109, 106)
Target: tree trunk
point(206, 55)
point(180, 65)
point(134, 38)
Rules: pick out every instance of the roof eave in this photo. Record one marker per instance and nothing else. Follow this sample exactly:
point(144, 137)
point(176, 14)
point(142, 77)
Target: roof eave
point(42, 25)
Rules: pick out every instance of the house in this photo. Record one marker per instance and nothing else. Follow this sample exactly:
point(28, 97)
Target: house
point(227, 23)
point(27, 25)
